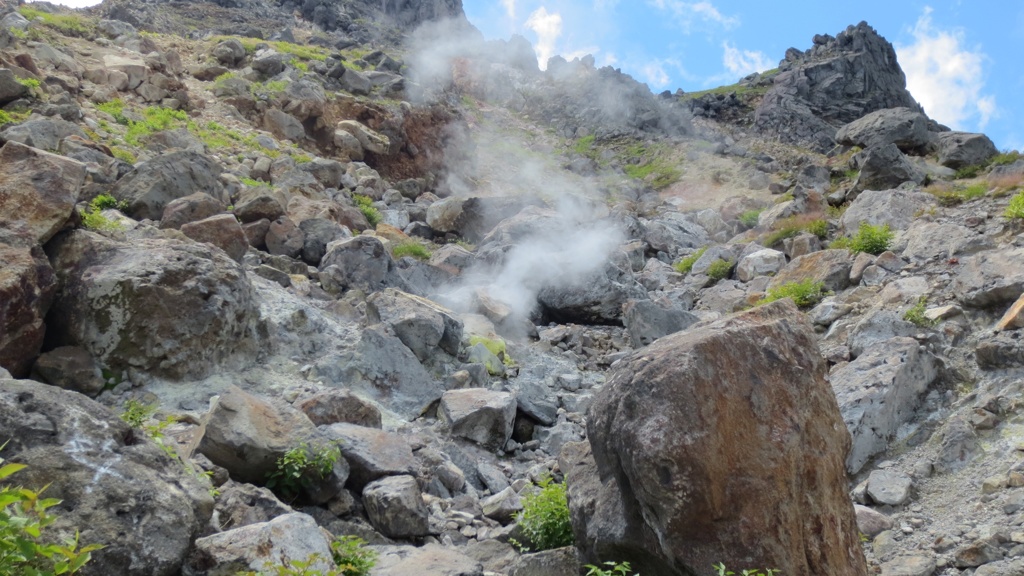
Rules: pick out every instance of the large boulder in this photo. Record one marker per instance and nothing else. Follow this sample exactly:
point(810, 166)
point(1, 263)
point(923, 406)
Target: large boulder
point(395, 507)
point(177, 309)
point(990, 278)
point(360, 263)
point(648, 320)
point(116, 488)
point(10, 88)
point(831, 267)
point(151, 185)
point(962, 149)
point(724, 482)
point(895, 208)
point(420, 324)
point(371, 453)
point(878, 392)
point(38, 190)
point(262, 546)
point(222, 231)
point(245, 434)
point(593, 298)
point(906, 128)
point(885, 167)
point(483, 416)
point(473, 217)
point(27, 289)
point(43, 133)
point(429, 560)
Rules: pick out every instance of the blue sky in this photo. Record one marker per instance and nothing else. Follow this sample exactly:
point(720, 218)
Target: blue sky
point(962, 59)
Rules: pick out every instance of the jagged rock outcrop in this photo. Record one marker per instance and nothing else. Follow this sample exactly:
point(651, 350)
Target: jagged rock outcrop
point(675, 499)
point(835, 82)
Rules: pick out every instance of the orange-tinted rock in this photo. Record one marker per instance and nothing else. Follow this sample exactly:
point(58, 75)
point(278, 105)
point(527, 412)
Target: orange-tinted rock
point(27, 287)
point(720, 444)
point(38, 189)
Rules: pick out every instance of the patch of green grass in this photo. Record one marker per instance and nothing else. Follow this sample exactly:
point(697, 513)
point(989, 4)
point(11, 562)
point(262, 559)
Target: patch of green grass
point(11, 117)
point(1016, 207)
point(365, 205)
point(915, 314)
point(93, 219)
point(804, 294)
point(544, 520)
point(584, 145)
point(68, 24)
point(156, 119)
point(869, 238)
point(269, 88)
point(122, 154)
point(411, 248)
point(298, 50)
point(776, 237)
point(299, 65)
point(685, 265)
point(663, 171)
point(968, 171)
point(18, 33)
point(1005, 158)
point(251, 182)
point(30, 83)
point(741, 91)
point(720, 269)
point(750, 218)
point(818, 227)
point(116, 109)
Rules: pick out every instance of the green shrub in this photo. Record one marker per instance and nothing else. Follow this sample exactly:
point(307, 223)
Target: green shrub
point(614, 569)
point(872, 239)
point(1016, 207)
point(804, 294)
point(968, 172)
point(544, 519)
point(122, 154)
point(352, 556)
point(818, 227)
point(915, 314)
point(411, 248)
point(107, 202)
point(658, 170)
point(720, 269)
point(30, 83)
point(960, 195)
point(685, 265)
point(116, 109)
point(302, 467)
point(1005, 158)
point(156, 119)
point(69, 24)
point(720, 570)
point(365, 205)
point(749, 218)
point(25, 548)
point(584, 145)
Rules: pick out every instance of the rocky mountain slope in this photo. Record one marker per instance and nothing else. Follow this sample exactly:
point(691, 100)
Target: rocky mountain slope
point(273, 275)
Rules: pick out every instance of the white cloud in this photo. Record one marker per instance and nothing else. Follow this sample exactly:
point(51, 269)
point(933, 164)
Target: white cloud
point(687, 13)
point(742, 63)
point(510, 8)
point(548, 27)
point(946, 77)
point(655, 72)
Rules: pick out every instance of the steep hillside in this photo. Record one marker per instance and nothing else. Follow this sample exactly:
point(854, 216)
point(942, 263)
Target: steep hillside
point(343, 288)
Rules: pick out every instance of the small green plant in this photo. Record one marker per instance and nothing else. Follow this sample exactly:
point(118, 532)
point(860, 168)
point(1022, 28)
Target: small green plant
point(1016, 207)
point(960, 195)
point(18, 33)
point(584, 146)
point(685, 265)
point(659, 171)
point(915, 314)
point(136, 414)
point(720, 269)
point(107, 202)
point(251, 182)
point(30, 83)
point(804, 294)
point(1005, 158)
point(613, 569)
point(299, 65)
point(24, 549)
point(69, 24)
point(122, 154)
point(365, 205)
point(411, 248)
point(818, 227)
point(302, 467)
point(352, 557)
point(544, 519)
point(93, 218)
point(750, 218)
point(720, 570)
point(870, 238)
point(776, 237)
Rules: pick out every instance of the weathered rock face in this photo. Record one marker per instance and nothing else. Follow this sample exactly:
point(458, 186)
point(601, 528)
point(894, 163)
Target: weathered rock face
point(38, 188)
point(878, 392)
point(246, 434)
point(116, 489)
point(596, 298)
point(372, 453)
point(395, 507)
point(649, 320)
point(961, 149)
point(360, 263)
point(723, 482)
point(884, 167)
point(420, 324)
point(832, 267)
point(124, 303)
point(837, 81)
point(990, 278)
point(483, 416)
point(897, 208)
point(472, 218)
point(277, 542)
point(27, 288)
point(154, 183)
point(906, 128)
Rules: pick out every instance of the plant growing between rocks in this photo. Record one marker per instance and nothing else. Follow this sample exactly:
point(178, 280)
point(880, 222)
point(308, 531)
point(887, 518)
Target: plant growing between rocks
point(301, 468)
point(720, 269)
point(1016, 207)
point(873, 239)
point(613, 569)
point(804, 294)
point(915, 314)
point(721, 570)
point(365, 205)
point(544, 519)
point(685, 265)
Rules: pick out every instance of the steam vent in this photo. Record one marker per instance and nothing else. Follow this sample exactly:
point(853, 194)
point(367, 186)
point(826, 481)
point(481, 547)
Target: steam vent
point(344, 288)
